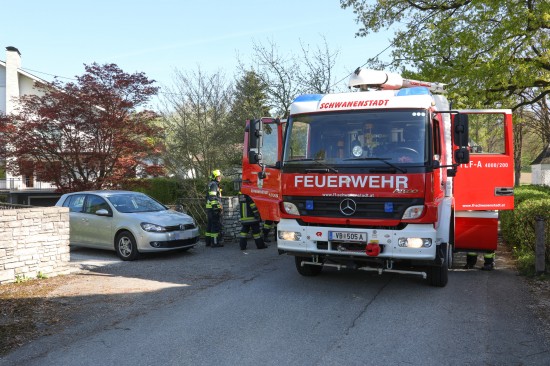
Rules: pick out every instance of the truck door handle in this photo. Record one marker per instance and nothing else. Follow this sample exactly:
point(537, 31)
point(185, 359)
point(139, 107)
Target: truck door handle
point(504, 191)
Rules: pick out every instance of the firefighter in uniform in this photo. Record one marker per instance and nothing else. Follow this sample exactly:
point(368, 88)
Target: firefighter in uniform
point(268, 225)
point(488, 265)
point(214, 210)
point(250, 219)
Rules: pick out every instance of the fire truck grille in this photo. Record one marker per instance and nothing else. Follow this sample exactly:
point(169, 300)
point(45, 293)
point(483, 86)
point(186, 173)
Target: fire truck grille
point(359, 208)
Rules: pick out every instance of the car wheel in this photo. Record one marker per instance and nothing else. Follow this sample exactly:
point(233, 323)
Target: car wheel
point(125, 246)
point(307, 270)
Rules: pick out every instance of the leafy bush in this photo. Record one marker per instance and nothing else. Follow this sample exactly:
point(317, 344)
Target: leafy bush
point(518, 226)
point(508, 219)
point(164, 190)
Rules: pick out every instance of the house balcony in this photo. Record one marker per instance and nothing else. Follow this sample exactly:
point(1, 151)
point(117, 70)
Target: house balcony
point(18, 184)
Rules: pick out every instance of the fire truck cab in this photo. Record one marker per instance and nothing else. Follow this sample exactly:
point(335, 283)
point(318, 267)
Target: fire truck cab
point(386, 178)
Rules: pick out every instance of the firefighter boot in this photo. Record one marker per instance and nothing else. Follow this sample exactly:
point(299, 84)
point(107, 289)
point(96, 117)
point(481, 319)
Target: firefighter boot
point(489, 261)
point(216, 242)
point(242, 243)
point(266, 235)
point(260, 243)
point(471, 260)
point(207, 241)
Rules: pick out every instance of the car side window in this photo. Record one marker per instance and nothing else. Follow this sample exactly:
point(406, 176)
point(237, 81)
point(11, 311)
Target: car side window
point(95, 203)
point(75, 202)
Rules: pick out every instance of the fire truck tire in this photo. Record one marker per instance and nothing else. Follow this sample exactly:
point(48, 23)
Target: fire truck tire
point(438, 276)
point(450, 256)
point(307, 270)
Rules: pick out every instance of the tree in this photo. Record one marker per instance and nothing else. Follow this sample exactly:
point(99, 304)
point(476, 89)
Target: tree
point(250, 99)
point(196, 117)
point(278, 73)
point(491, 51)
point(316, 75)
point(86, 134)
point(286, 77)
point(540, 121)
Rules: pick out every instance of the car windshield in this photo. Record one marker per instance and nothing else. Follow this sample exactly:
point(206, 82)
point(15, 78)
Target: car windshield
point(135, 203)
point(357, 138)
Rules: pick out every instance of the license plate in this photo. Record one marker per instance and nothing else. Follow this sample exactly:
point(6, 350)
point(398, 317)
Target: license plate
point(178, 235)
point(346, 236)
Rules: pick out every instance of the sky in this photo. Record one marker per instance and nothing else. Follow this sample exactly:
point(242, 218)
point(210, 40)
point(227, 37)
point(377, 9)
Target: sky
point(57, 37)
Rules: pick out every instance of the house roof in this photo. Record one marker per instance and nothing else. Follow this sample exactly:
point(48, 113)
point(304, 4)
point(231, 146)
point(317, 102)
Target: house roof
point(543, 158)
point(24, 73)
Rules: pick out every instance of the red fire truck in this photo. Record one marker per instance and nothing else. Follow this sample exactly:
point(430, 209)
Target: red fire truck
point(384, 178)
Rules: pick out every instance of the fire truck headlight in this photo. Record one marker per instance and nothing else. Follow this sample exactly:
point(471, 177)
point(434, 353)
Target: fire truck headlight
point(413, 212)
point(290, 208)
point(414, 242)
point(289, 235)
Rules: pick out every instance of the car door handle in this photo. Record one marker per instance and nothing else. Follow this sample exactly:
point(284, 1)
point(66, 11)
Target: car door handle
point(504, 191)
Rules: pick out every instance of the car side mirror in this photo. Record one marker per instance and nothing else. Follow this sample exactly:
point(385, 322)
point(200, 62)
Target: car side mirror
point(103, 212)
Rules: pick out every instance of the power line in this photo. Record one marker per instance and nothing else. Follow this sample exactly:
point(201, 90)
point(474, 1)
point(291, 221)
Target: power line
point(45, 73)
point(366, 62)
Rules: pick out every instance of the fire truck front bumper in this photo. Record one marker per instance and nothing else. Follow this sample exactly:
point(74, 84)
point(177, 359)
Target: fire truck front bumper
point(415, 242)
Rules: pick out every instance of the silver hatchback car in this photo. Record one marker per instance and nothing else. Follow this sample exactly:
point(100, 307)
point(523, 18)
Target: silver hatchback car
point(127, 222)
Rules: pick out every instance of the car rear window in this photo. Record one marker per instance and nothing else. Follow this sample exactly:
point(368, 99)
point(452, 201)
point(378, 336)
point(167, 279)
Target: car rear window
point(74, 202)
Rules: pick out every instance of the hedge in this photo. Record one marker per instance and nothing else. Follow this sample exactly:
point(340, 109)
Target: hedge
point(518, 226)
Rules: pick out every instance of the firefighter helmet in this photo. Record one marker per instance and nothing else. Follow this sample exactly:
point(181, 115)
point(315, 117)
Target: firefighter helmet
point(216, 173)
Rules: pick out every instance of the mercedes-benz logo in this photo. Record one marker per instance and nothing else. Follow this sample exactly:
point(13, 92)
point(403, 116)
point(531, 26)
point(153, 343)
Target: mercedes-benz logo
point(348, 207)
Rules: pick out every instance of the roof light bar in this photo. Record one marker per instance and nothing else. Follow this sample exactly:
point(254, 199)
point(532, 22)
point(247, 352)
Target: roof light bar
point(365, 79)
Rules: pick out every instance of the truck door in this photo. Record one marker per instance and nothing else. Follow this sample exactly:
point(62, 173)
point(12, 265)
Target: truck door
point(265, 192)
point(484, 185)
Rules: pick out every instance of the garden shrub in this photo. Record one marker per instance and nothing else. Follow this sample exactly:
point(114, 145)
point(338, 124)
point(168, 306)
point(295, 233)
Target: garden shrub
point(164, 190)
point(522, 236)
point(508, 218)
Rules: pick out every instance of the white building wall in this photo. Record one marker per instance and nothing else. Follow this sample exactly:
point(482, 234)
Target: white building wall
point(15, 83)
point(535, 174)
point(540, 174)
point(26, 86)
point(545, 174)
point(13, 64)
point(2, 89)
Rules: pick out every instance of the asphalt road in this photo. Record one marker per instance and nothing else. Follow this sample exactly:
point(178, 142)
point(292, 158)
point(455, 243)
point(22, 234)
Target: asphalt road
point(222, 306)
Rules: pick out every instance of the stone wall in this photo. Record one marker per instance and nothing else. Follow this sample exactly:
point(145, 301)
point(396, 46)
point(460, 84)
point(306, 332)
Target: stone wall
point(34, 242)
point(231, 218)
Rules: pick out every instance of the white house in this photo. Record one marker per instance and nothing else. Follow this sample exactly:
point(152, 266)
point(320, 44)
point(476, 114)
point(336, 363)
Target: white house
point(14, 83)
point(540, 168)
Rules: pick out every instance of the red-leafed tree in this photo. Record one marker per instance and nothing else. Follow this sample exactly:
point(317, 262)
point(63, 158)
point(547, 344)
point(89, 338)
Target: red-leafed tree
point(88, 134)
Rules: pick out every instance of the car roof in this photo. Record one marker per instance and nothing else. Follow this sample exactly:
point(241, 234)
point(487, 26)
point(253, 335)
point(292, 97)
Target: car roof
point(106, 192)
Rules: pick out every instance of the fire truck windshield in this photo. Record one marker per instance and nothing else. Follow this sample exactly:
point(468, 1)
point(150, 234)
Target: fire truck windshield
point(372, 137)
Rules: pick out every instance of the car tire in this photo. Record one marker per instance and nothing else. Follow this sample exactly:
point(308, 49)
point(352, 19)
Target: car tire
point(307, 270)
point(125, 246)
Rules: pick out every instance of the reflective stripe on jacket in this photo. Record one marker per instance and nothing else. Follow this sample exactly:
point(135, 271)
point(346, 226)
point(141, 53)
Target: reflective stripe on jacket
point(248, 210)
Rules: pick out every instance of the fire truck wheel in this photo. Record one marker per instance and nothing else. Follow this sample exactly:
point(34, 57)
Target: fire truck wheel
point(307, 270)
point(450, 256)
point(438, 276)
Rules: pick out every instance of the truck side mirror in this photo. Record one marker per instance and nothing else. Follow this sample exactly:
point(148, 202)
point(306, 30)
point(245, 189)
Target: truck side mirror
point(254, 157)
point(462, 155)
point(461, 130)
point(255, 134)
